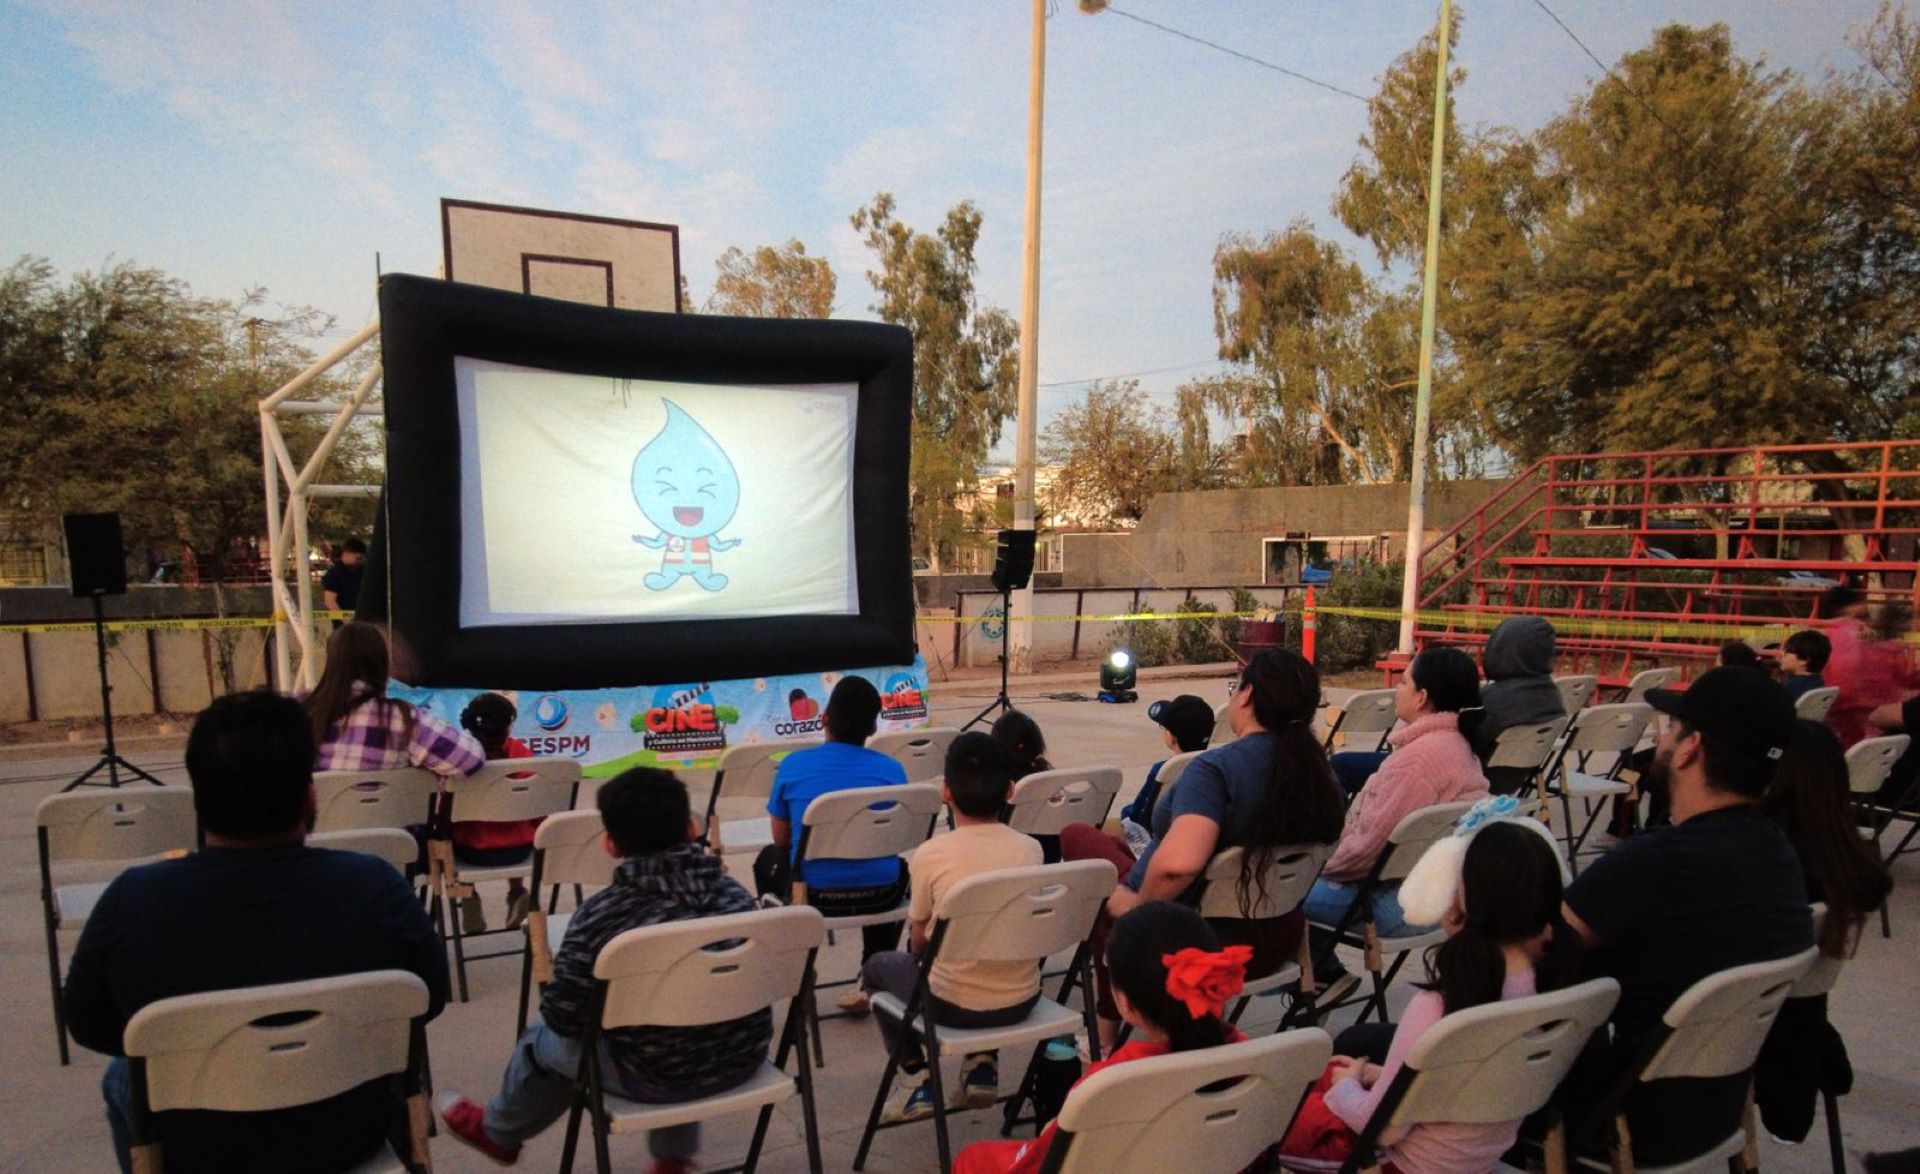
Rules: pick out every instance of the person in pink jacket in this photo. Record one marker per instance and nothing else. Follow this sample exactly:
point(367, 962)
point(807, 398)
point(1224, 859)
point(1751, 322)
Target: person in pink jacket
point(1432, 762)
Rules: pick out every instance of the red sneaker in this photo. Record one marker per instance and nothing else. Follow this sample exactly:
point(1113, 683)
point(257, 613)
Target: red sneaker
point(466, 1121)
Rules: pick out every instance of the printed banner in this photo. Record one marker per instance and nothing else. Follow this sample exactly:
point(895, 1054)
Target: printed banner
point(686, 726)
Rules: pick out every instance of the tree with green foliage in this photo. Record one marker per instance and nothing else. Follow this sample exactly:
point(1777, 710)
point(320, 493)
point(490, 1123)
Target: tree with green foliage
point(772, 282)
point(1111, 452)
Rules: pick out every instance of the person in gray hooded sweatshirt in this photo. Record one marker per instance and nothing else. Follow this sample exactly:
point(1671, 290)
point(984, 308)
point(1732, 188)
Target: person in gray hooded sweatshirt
point(1519, 663)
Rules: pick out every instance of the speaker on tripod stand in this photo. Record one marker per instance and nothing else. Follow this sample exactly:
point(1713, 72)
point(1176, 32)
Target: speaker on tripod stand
point(1012, 570)
point(97, 566)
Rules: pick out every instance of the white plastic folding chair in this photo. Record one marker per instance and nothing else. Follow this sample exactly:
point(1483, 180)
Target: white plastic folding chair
point(1608, 734)
point(1814, 703)
point(350, 800)
point(1576, 689)
point(567, 850)
point(1275, 891)
point(392, 845)
point(502, 791)
point(1006, 915)
point(1714, 1029)
point(1229, 1103)
point(101, 827)
point(1525, 750)
point(1486, 1065)
point(1647, 679)
point(1363, 722)
point(1222, 727)
point(1048, 800)
point(1173, 768)
point(258, 1049)
point(1820, 979)
point(1869, 764)
point(1410, 839)
point(745, 774)
point(690, 974)
point(923, 752)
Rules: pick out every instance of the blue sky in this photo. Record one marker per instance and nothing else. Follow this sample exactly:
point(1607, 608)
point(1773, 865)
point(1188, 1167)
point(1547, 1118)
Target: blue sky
point(240, 145)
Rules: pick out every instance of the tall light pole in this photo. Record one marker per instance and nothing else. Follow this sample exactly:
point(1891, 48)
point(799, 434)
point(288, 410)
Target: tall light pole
point(1020, 632)
point(1429, 288)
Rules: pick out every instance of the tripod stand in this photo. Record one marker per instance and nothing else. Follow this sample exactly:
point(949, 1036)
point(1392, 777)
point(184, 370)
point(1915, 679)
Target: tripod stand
point(1002, 701)
point(110, 757)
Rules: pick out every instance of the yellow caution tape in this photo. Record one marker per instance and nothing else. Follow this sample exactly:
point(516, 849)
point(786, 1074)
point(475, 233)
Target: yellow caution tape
point(209, 623)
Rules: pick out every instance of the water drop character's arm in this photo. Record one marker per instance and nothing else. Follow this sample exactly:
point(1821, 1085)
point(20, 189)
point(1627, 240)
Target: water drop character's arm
point(723, 543)
point(656, 542)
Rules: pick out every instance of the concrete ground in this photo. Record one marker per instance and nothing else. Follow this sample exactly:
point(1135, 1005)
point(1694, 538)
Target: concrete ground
point(54, 1123)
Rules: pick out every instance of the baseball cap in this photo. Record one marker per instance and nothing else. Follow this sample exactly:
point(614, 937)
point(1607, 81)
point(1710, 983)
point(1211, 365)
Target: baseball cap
point(1740, 711)
point(1187, 717)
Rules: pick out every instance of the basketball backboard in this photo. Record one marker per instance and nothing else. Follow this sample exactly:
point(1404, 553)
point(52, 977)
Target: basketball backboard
point(599, 260)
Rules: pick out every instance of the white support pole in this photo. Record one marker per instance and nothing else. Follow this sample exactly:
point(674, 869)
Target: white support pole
point(1020, 631)
point(323, 364)
point(348, 410)
point(276, 543)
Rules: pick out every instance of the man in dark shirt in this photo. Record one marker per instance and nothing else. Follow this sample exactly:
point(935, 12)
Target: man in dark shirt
point(1719, 888)
point(255, 907)
point(340, 586)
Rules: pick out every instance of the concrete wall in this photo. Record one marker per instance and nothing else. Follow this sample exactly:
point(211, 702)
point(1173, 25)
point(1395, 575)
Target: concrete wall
point(1215, 536)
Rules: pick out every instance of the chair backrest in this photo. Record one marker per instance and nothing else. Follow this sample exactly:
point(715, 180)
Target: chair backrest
point(508, 789)
point(1814, 703)
point(274, 1047)
point(1719, 1023)
point(708, 969)
point(923, 752)
point(1048, 800)
point(746, 772)
point(864, 823)
point(1173, 768)
point(1824, 974)
point(1576, 690)
point(1870, 761)
point(1222, 727)
point(1179, 1111)
point(124, 823)
point(1367, 712)
point(1275, 893)
point(1527, 747)
point(392, 845)
point(1023, 914)
point(1604, 729)
point(347, 800)
point(1647, 679)
point(1415, 833)
point(571, 852)
point(1499, 1061)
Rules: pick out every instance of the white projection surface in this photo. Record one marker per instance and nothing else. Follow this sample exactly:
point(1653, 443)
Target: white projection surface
point(588, 499)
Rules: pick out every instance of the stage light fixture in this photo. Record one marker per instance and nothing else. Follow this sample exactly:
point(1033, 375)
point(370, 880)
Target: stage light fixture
point(1117, 676)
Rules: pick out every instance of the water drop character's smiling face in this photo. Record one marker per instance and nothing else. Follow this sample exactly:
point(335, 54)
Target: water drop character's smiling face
point(683, 481)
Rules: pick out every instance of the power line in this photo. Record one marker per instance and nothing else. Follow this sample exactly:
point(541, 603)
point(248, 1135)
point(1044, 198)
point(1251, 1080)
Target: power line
point(1247, 57)
point(1132, 374)
point(1608, 70)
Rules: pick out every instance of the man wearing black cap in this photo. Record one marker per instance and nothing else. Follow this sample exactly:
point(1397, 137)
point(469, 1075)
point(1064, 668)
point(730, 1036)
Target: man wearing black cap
point(1720, 887)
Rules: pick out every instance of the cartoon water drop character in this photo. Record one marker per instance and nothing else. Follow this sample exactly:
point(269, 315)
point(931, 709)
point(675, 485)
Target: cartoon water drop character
point(686, 487)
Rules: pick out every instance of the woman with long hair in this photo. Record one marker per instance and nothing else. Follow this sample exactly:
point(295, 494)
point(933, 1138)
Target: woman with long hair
point(1026, 746)
point(358, 727)
point(1267, 790)
point(1810, 800)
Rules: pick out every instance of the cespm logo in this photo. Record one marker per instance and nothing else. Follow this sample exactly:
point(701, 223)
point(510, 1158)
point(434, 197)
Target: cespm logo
point(550, 713)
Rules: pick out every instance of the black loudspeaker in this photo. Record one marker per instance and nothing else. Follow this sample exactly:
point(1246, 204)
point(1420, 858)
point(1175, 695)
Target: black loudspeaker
point(96, 562)
point(1013, 560)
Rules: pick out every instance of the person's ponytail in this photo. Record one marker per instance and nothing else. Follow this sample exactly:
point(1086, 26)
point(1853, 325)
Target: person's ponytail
point(1302, 804)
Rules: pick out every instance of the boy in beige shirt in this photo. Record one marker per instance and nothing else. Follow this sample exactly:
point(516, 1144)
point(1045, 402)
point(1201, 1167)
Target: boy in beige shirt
point(962, 993)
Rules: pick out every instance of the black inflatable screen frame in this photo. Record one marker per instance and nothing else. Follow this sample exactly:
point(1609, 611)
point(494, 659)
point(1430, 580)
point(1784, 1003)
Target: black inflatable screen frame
point(415, 567)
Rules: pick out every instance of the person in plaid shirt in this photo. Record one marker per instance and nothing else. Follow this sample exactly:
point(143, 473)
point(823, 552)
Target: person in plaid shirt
point(358, 727)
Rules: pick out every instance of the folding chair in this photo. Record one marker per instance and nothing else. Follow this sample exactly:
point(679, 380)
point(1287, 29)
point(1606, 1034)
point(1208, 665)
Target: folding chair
point(1820, 979)
point(1647, 679)
point(690, 974)
point(392, 845)
point(1222, 727)
point(1229, 1103)
point(116, 826)
point(1007, 915)
point(1048, 800)
point(1368, 713)
point(746, 772)
point(1869, 763)
point(1714, 1029)
point(276, 1047)
point(1486, 1065)
point(1814, 703)
point(1576, 690)
point(1412, 837)
point(566, 851)
point(1525, 750)
point(1276, 892)
point(501, 791)
point(923, 751)
point(1609, 731)
point(1173, 768)
point(350, 800)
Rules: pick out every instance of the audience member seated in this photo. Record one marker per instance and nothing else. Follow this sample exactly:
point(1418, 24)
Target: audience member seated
point(1186, 725)
point(963, 993)
point(846, 887)
point(1739, 654)
point(1431, 763)
point(1901, 717)
point(664, 876)
point(1804, 1056)
point(493, 844)
point(1720, 887)
point(1171, 978)
point(356, 726)
point(1803, 658)
point(1026, 750)
point(1520, 691)
point(1269, 788)
point(1496, 888)
point(256, 907)
point(1867, 662)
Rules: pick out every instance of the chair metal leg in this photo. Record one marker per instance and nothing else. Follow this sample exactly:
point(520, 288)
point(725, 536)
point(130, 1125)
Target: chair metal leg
point(526, 990)
point(941, 1139)
point(809, 1104)
point(451, 911)
point(53, 974)
point(1838, 1151)
point(572, 1143)
point(880, 1099)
